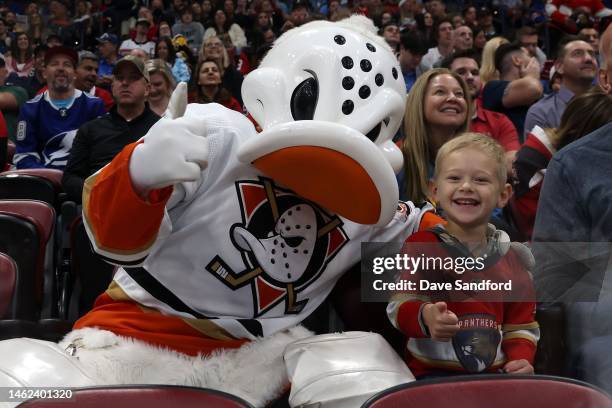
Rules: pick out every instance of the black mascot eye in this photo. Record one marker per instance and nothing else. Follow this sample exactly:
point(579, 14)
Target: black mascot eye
point(294, 241)
point(304, 100)
point(373, 133)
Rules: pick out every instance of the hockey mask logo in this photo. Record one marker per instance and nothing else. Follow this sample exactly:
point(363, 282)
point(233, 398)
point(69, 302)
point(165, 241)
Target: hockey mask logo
point(285, 242)
point(477, 341)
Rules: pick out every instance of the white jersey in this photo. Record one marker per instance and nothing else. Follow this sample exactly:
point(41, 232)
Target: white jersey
point(243, 251)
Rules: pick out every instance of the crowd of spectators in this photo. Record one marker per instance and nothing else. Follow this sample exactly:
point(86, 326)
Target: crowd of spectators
point(81, 79)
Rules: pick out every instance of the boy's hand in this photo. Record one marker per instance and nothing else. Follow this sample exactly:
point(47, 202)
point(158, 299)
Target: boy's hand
point(518, 367)
point(442, 323)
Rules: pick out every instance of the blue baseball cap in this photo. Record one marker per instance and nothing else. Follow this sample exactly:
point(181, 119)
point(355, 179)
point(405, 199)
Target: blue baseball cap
point(108, 37)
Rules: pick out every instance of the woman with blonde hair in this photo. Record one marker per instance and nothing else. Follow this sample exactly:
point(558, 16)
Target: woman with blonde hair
point(162, 84)
point(437, 110)
point(487, 66)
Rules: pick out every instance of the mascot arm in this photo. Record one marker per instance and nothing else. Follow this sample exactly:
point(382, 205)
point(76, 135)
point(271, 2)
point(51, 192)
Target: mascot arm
point(405, 315)
point(121, 225)
point(125, 202)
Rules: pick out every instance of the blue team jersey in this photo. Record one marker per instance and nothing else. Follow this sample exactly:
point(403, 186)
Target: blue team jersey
point(45, 131)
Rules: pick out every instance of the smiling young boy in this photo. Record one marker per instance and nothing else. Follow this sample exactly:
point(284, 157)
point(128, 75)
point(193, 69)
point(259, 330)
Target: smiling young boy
point(468, 330)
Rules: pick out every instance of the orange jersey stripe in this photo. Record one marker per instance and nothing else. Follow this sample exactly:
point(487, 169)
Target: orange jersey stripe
point(119, 219)
point(130, 320)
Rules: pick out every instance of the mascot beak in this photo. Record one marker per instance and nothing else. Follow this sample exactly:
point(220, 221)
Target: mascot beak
point(343, 173)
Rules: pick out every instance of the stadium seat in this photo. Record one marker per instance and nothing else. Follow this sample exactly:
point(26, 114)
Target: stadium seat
point(10, 152)
point(551, 356)
point(9, 327)
point(8, 279)
point(89, 275)
point(32, 184)
point(150, 396)
point(492, 390)
point(26, 234)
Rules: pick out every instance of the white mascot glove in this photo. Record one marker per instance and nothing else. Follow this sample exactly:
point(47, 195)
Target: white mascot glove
point(173, 151)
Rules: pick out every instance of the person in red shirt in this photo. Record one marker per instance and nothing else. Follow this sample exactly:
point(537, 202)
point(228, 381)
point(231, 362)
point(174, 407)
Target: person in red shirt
point(86, 76)
point(493, 124)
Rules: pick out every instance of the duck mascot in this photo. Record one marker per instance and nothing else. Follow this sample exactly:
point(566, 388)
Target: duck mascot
point(228, 238)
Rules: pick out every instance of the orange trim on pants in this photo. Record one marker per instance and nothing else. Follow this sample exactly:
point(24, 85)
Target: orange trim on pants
point(128, 319)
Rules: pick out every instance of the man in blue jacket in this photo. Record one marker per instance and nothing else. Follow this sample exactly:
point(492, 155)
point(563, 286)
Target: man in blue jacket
point(48, 123)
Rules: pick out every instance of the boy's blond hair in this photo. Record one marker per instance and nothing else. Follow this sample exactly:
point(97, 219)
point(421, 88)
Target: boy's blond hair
point(479, 142)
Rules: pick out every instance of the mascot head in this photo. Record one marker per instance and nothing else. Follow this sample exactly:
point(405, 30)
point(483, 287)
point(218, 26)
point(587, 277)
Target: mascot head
point(329, 98)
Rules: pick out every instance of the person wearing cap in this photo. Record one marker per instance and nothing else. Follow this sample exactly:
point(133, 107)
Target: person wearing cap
point(11, 99)
point(140, 40)
point(97, 142)
point(162, 84)
point(107, 47)
point(48, 123)
point(86, 78)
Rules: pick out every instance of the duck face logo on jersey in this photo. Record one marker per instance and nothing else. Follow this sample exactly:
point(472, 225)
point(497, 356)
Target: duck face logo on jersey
point(286, 242)
point(477, 341)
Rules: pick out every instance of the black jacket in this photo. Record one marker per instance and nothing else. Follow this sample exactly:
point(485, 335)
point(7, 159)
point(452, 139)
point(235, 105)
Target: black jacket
point(98, 142)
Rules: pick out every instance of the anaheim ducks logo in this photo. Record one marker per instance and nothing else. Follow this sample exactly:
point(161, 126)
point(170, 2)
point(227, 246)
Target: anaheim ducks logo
point(285, 242)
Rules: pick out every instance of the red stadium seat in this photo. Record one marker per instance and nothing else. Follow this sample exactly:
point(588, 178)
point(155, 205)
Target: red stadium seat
point(53, 175)
point(26, 234)
point(8, 279)
point(32, 184)
point(492, 390)
point(149, 396)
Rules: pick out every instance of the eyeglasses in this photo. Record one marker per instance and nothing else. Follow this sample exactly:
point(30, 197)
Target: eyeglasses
point(213, 45)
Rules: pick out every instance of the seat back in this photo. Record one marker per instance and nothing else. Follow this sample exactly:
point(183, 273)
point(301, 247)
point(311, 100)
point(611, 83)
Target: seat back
point(8, 278)
point(26, 234)
point(32, 184)
point(24, 187)
point(10, 152)
point(493, 390)
point(150, 396)
point(90, 274)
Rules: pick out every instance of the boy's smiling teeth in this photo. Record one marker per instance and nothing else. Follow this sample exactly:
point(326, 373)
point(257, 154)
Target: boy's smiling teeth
point(466, 201)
